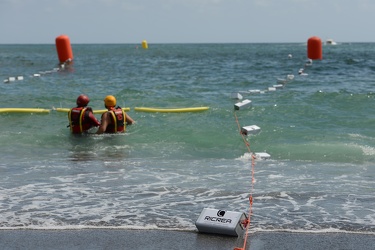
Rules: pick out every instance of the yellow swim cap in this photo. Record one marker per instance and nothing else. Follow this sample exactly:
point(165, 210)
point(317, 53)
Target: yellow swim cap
point(110, 101)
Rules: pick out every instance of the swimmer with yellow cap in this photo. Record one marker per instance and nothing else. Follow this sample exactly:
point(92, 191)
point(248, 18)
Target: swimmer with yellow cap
point(115, 119)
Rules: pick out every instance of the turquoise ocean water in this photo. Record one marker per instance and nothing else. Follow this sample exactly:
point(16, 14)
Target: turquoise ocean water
point(318, 130)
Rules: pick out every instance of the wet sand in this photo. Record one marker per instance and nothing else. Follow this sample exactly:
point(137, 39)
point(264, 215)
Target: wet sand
point(158, 239)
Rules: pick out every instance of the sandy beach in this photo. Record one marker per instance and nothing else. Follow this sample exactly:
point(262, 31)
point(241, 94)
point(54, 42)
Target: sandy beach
point(159, 239)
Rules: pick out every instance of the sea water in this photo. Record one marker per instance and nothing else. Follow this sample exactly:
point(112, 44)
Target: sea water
point(318, 130)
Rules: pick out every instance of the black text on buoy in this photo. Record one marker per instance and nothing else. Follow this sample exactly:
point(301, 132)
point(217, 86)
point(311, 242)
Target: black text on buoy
point(314, 48)
point(64, 50)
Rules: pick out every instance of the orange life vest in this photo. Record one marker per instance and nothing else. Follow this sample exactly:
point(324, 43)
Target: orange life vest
point(118, 118)
point(79, 120)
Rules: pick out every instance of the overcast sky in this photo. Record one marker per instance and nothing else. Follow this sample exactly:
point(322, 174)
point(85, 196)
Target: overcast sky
point(186, 21)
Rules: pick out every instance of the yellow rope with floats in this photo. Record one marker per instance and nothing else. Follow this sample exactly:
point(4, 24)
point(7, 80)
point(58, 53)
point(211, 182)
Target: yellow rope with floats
point(170, 110)
point(99, 111)
point(24, 110)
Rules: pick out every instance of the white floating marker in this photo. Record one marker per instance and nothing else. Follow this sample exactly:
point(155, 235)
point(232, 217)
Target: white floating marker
point(19, 78)
point(243, 104)
point(221, 222)
point(271, 89)
point(236, 96)
point(281, 81)
point(262, 155)
point(290, 77)
point(278, 86)
point(308, 62)
point(254, 91)
point(11, 79)
point(36, 75)
point(253, 129)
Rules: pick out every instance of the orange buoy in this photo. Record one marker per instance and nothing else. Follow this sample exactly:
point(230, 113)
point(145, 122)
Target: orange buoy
point(314, 48)
point(64, 50)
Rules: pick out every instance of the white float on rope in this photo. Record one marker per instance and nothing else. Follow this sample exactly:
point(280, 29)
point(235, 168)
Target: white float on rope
point(243, 104)
point(236, 96)
point(262, 155)
point(278, 86)
point(282, 81)
point(254, 91)
point(271, 89)
point(253, 129)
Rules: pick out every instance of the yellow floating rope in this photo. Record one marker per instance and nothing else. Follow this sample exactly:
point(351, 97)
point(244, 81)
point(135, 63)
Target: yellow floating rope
point(99, 111)
point(24, 110)
point(171, 110)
